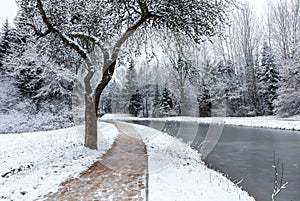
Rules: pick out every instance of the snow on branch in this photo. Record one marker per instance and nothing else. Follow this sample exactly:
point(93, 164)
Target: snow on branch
point(278, 181)
point(66, 39)
point(38, 32)
point(89, 37)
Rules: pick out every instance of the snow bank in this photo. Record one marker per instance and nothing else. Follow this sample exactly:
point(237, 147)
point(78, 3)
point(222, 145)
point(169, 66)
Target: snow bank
point(20, 121)
point(176, 172)
point(292, 123)
point(116, 116)
point(34, 164)
point(266, 122)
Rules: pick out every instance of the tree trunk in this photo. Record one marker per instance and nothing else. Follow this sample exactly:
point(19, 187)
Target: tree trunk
point(92, 104)
point(183, 106)
point(107, 75)
point(90, 123)
point(90, 112)
point(183, 103)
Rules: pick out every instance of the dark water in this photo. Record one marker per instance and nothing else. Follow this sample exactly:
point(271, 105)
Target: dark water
point(247, 154)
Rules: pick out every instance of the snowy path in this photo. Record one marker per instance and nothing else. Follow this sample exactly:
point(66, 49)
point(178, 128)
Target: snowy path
point(120, 175)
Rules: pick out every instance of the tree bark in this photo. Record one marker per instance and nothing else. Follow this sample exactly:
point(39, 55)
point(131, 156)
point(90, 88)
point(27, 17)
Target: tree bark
point(107, 75)
point(183, 105)
point(90, 123)
point(91, 134)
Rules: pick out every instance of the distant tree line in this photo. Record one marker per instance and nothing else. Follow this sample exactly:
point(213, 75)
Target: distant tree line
point(251, 69)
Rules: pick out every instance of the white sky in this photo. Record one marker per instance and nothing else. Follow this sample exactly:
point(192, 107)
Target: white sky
point(258, 5)
point(8, 9)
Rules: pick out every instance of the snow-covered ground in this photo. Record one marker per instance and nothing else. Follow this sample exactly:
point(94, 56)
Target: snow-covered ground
point(176, 171)
point(34, 164)
point(261, 122)
point(292, 123)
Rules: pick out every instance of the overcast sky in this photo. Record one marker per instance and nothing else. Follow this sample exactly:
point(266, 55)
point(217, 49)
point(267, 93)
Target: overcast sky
point(8, 9)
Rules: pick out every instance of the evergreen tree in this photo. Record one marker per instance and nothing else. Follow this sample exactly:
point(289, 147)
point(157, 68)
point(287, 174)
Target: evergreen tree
point(166, 103)
point(107, 105)
point(7, 39)
point(107, 100)
point(156, 101)
point(288, 102)
point(37, 77)
point(136, 103)
point(213, 83)
point(204, 101)
point(269, 78)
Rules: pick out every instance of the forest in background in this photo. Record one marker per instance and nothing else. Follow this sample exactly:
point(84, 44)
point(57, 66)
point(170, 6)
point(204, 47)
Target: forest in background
point(250, 70)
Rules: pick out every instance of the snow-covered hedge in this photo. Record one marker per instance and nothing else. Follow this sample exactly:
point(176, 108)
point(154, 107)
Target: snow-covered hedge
point(20, 122)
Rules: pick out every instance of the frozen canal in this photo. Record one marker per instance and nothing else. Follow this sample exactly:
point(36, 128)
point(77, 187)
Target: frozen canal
point(246, 154)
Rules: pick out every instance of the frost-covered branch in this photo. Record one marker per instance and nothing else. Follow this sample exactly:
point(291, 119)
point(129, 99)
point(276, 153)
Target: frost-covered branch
point(88, 37)
point(67, 40)
point(278, 181)
point(38, 32)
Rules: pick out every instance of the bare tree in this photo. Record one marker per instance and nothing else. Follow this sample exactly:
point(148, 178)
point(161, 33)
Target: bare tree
point(182, 65)
point(284, 22)
point(247, 32)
